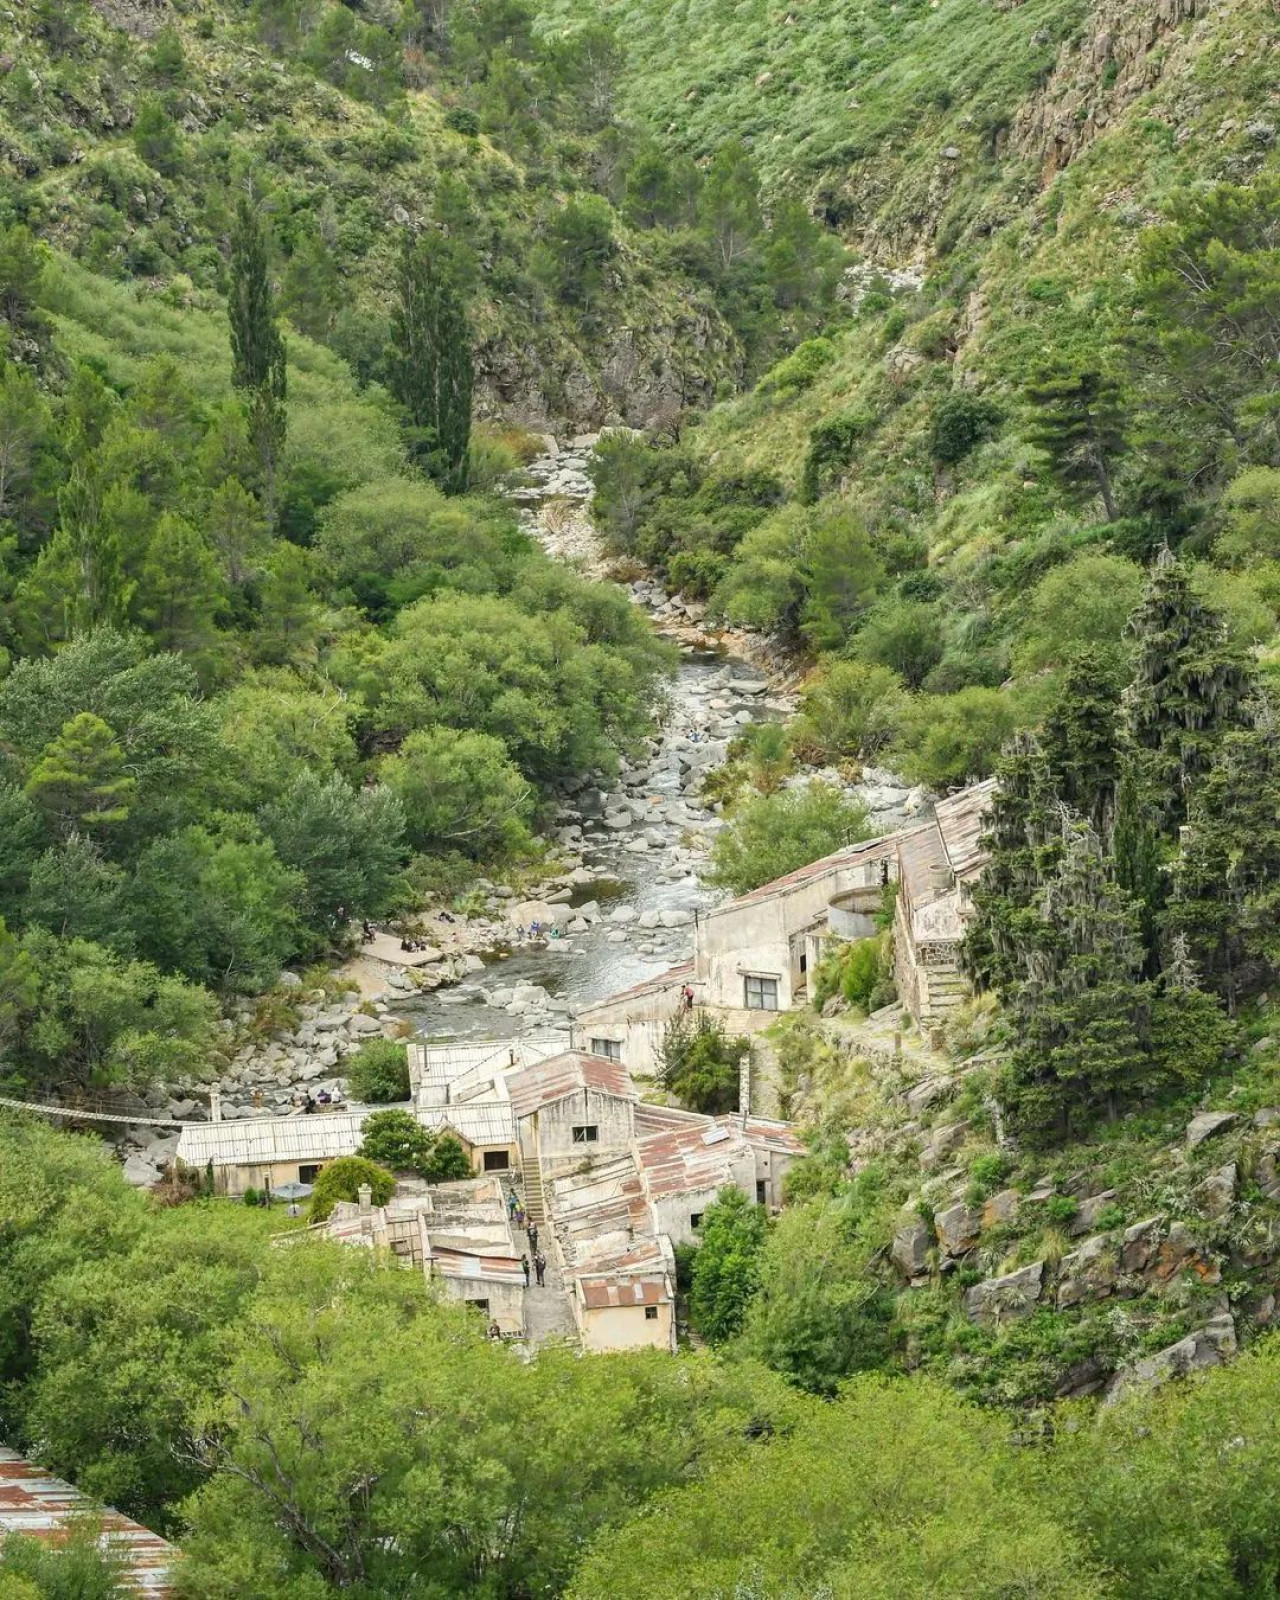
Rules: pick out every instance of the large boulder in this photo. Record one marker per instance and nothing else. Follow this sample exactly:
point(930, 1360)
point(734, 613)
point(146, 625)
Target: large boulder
point(1207, 1124)
point(1089, 1273)
point(911, 1245)
point(1216, 1195)
point(1006, 1299)
point(1207, 1347)
point(958, 1228)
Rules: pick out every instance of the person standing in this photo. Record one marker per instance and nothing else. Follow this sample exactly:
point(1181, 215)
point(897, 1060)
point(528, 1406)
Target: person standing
point(524, 1264)
point(533, 1237)
point(540, 1267)
point(512, 1202)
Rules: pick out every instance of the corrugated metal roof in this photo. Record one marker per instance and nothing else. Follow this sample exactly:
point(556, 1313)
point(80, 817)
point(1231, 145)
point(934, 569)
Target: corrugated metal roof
point(679, 974)
point(260, 1141)
point(601, 1293)
point(681, 1161)
point(35, 1503)
point(961, 818)
point(454, 1263)
point(479, 1122)
point(868, 850)
point(924, 871)
point(551, 1080)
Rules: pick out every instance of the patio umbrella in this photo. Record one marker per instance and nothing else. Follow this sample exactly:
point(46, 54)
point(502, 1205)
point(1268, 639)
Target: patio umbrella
point(293, 1192)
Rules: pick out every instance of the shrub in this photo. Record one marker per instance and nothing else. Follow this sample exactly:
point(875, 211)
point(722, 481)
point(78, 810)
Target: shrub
point(850, 709)
point(342, 1180)
point(777, 833)
point(397, 1140)
point(726, 1267)
point(700, 1063)
point(378, 1073)
point(960, 423)
point(799, 370)
point(463, 120)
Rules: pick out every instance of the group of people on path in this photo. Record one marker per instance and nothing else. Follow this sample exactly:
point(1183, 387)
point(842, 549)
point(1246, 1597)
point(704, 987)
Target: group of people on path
point(517, 1213)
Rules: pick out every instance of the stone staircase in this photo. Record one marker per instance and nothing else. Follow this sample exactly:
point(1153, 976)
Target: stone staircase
point(535, 1201)
point(946, 989)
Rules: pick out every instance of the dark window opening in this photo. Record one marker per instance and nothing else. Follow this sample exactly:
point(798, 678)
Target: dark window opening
point(760, 994)
point(762, 1191)
point(309, 1174)
point(587, 1133)
point(610, 1049)
point(651, 1313)
point(695, 1219)
point(497, 1160)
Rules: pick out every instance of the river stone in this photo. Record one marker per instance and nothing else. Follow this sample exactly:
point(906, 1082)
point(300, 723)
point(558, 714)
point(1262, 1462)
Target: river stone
point(362, 1024)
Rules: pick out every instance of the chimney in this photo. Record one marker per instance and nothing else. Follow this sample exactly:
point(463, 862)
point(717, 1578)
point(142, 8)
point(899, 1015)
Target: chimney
point(364, 1194)
point(215, 1105)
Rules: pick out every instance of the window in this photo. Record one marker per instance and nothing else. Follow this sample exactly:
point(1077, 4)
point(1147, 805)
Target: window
point(695, 1219)
point(309, 1174)
point(611, 1049)
point(762, 1191)
point(587, 1133)
point(480, 1305)
point(761, 994)
point(496, 1160)
point(651, 1313)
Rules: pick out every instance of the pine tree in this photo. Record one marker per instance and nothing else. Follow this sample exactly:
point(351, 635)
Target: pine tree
point(257, 348)
point(1081, 740)
point(1225, 902)
point(431, 369)
point(1022, 836)
point(1189, 688)
point(80, 778)
point(1079, 423)
point(1138, 853)
point(1079, 1009)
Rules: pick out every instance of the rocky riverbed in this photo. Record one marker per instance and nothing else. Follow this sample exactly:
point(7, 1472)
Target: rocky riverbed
point(625, 888)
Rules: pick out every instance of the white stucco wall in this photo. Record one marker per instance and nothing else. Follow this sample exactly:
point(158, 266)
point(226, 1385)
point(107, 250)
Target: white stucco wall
point(637, 1023)
point(548, 1134)
point(627, 1328)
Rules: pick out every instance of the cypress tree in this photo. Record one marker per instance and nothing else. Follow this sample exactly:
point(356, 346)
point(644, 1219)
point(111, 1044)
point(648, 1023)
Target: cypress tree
point(257, 348)
point(1225, 902)
point(1189, 687)
point(1079, 1008)
point(1081, 739)
point(431, 369)
point(1022, 836)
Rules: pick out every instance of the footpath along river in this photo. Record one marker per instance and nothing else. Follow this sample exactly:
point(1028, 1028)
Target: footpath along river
point(643, 842)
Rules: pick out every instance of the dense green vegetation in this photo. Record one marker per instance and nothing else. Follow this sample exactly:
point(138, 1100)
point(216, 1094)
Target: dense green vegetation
point(267, 1406)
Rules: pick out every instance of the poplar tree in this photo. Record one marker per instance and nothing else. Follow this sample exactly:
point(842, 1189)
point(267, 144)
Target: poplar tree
point(1188, 689)
point(432, 373)
point(257, 348)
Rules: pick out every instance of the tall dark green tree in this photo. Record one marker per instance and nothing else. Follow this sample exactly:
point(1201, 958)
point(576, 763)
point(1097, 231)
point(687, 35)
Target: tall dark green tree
point(1079, 1007)
point(1189, 687)
point(1081, 740)
point(257, 348)
point(431, 371)
point(1079, 422)
point(1139, 854)
point(1225, 902)
point(1022, 837)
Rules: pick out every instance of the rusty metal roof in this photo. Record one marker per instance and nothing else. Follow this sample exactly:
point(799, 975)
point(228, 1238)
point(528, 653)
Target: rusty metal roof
point(867, 850)
point(548, 1081)
point(679, 974)
point(600, 1293)
point(961, 818)
point(35, 1503)
point(923, 868)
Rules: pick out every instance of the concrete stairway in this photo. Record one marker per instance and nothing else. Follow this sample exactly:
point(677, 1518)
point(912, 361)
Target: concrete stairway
point(535, 1202)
